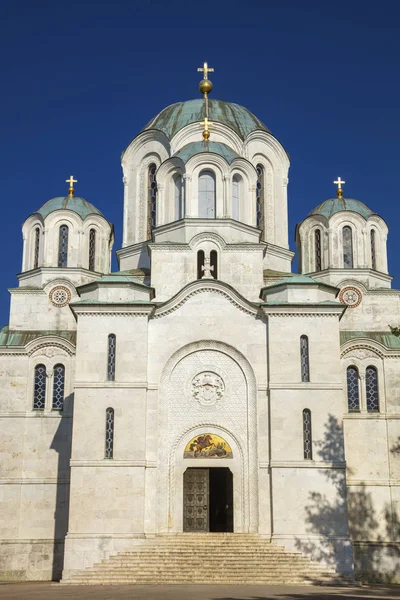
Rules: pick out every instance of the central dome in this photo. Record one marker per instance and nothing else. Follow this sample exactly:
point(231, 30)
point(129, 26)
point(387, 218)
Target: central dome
point(176, 116)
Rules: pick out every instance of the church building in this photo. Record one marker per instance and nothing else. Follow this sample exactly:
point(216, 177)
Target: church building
point(203, 400)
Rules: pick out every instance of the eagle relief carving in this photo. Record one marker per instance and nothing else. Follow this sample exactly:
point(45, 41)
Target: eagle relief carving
point(207, 388)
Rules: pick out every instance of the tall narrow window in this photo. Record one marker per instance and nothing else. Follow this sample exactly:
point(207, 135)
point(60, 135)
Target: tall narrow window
point(63, 246)
point(353, 392)
point(373, 250)
point(236, 197)
point(307, 434)
point(304, 359)
point(178, 197)
point(260, 197)
point(200, 264)
point(151, 199)
point(109, 433)
point(207, 195)
point(318, 256)
point(36, 249)
point(371, 388)
point(347, 247)
point(92, 250)
point(111, 359)
point(39, 389)
point(214, 263)
point(58, 387)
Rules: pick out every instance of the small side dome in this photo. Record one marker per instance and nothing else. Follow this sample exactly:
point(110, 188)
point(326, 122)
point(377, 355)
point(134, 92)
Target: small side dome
point(219, 148)
point(78, 205)
point(335, 205)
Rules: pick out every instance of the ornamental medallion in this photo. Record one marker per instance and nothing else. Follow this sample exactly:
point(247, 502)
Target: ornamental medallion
point(207, 388)
point(60, 296)
point(350, 296)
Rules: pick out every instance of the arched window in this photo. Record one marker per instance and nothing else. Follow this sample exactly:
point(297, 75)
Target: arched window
point(373, 250)
point(214, 263)
point(307, 434)
point(207, 195)
point(200, 264)
point(347, 247)
point(36, 249)
point(304, 359)
point(109, 433)
point(178, 197)
point(371, 388)
point(39, 389)
point(353, 392)
point(111, 359)
point(92, 250)
point(63, 246)
point(260, 197)
point(151, 199)
point(58, 387)
point(318, 255)
point(236, 189)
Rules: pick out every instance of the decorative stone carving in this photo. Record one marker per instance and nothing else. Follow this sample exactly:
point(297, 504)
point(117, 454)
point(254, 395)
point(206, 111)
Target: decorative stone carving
point(351, 296)
point(60, 296)
point(207, 388)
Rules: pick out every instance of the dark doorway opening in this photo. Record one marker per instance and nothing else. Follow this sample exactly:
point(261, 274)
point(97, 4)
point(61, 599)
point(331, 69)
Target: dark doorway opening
point(208, 500)
point(221, 500)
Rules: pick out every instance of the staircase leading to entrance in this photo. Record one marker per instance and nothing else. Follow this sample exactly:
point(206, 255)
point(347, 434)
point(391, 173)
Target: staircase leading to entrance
point(206, 558)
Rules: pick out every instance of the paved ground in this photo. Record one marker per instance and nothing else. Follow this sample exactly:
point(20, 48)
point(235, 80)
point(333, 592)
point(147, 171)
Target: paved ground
point(49, 591)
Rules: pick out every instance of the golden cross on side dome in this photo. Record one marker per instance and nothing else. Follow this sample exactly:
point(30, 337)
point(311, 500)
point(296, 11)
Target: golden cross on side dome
point(206, 124)
point(339, 182)
point(205, 70)
point(71, 182)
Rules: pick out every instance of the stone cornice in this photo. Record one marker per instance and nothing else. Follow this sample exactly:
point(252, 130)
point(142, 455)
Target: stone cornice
point(109, 309)
point(279, 251)
point(201, 286)
point(303, 310)
point(305, 386)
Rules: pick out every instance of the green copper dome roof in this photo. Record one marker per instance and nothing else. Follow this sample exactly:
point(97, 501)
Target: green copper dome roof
point(78, 205)
point(334, 205)
point(175, 117)
point(214, 147)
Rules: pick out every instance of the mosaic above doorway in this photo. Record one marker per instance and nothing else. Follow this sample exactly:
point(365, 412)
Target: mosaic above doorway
point(208, 445)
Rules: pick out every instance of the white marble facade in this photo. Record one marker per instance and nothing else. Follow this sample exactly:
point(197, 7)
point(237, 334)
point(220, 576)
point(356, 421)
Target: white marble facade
point(205, 294)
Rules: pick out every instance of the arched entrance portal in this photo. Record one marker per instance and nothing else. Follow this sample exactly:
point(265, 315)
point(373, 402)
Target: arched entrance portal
point(208, 500)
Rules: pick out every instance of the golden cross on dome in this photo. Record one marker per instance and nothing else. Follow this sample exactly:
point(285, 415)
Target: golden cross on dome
point(206, 70)
point(339, 182)
point(206, 124)
point(71, 182)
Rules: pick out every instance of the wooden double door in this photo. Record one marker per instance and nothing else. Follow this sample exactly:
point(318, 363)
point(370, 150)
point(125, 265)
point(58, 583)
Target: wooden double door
point(208, 500)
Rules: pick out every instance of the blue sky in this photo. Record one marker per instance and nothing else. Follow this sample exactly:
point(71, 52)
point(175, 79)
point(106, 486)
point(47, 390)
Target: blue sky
point(81, 78)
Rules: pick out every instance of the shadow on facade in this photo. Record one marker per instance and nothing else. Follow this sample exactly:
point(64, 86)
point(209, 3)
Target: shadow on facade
point(374, 534)
point(61, 443)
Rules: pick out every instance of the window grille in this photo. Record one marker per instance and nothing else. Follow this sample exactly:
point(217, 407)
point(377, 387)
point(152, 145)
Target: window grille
point(371, 385)
point(318, 256)
point(214, 263)
point(373, 251)
point(304, 359)
point(260, 197)
point(235, 197)
point(63, 246)
point(39, 392)
point(178, 197)
point(37, 247)
point(109, 433)
point(112, 346)
point(353, 392)
point(207, 195)
point(347, 248)
point(200, 263)
point(307, 436)
point(92, 250)
point(151, 199)
point(58, 387)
